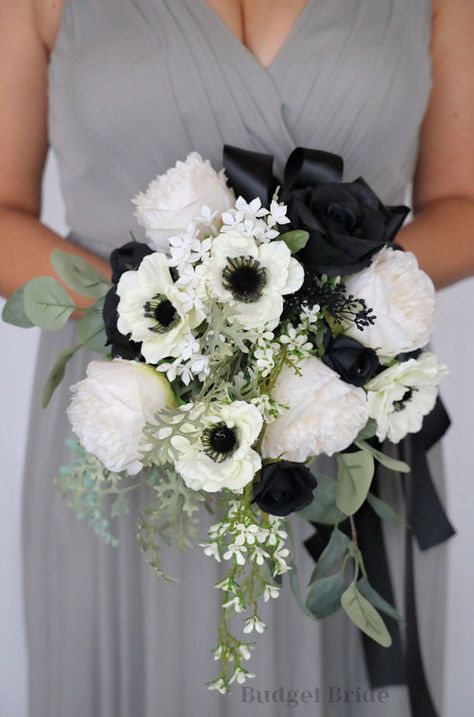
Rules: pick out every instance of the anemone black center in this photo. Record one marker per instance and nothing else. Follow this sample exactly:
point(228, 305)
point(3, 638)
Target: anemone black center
point(245, 278)
point(400, 405)
point(162, 311)
point(220, 442)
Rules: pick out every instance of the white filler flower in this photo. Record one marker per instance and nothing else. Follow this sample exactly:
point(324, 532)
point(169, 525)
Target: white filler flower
point(175, 199)
point(402, 395)
point(222, 456)
point(251, 278)
point(403, 299)
point(154, 311)
point(110, 407)
point(323, 414)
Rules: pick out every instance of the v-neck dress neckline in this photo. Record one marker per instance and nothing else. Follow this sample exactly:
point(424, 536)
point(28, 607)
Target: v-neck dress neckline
point(233, 44)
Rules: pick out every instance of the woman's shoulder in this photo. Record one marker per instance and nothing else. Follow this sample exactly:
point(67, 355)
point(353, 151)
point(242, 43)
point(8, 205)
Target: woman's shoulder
point(47, 15)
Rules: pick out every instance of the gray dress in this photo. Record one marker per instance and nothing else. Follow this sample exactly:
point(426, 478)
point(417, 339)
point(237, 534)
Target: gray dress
point(134, 86)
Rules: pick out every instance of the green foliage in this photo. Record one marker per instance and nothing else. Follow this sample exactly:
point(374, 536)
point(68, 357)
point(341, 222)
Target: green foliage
point(370, 594)
point(90, 329)
point(383, 509)
point(295, 240)
point(14, 310)
point(78, 274)
point(94, 493)
point(391, 463)
point(57, 374)
point(170, 518)
point(323, 509)
point(46, 303)
point(355, 473)
point(332, 557)
point(365, 616)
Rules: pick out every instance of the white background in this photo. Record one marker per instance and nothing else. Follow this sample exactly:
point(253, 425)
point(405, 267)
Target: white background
point(454, 345)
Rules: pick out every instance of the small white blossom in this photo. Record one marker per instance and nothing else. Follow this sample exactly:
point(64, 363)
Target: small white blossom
point(309, 315)
point(237, 552)
point(259, 555)
point(240, 676)
point(278, 212)
point(234, 603)
point(227, 585)
point(271, 592)
point(245, 651)
point(218, 685)
point(211, 550)
point(296, 342)
point(254, 623)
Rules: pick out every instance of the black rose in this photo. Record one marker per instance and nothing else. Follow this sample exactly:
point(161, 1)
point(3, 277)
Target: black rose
point(355, 364)
point(284, 487)
point(347, 224)
point(127, 257)
point(120, 345)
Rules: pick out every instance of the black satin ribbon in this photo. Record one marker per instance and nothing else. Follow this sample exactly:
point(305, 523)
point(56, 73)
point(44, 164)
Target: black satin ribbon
point(428, 523)
point(250, 174)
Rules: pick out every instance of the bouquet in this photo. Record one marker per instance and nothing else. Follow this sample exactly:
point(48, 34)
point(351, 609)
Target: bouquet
point(259, 326)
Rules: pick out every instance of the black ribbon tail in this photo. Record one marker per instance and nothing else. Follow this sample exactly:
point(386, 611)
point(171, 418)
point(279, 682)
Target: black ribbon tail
point(310, 168)
point(429, 524)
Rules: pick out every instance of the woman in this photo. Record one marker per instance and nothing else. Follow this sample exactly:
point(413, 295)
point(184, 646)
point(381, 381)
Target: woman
point(124, 88)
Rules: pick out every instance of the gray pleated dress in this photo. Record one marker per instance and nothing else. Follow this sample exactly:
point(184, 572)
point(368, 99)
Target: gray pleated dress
point(134, 86)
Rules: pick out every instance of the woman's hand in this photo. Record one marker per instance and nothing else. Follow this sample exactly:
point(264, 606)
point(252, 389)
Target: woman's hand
point(25, 244)
point(442, 235)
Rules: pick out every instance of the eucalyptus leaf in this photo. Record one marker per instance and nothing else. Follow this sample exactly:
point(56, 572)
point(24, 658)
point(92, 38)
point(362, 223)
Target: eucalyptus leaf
point(369, 430)
point(47, 304)
point(365, 616)
point(375, 599)
point(355, 473)
point(323, 509)
point(295, 240)
point(383, 509)
point(391, 463)
point(14, 310)
point(57, 374)
point(324, 596)
point(90, 329)
point(78, 274)
point(332, 556)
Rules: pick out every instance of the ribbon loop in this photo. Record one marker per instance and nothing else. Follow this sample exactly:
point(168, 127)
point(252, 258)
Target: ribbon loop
point(250, 174)
point(311, 167)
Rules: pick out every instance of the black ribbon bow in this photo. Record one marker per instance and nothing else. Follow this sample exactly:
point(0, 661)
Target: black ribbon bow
point(250, 174)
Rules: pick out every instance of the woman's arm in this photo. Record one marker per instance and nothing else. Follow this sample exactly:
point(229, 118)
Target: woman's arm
point(25, 244)
point(442, 234)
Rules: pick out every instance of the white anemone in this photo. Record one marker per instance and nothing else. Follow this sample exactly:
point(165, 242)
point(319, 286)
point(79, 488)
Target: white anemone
point(222, 456)
point(154, 311)
point(251, 278)
point(400, 396)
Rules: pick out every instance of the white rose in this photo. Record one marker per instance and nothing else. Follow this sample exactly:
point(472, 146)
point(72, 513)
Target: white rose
point(110, 407)
point(175, 199)
point(400, 396)
point(251, 278)
point(323, 414)
point(154, 311)
point(222, 455)
point(403, 299)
